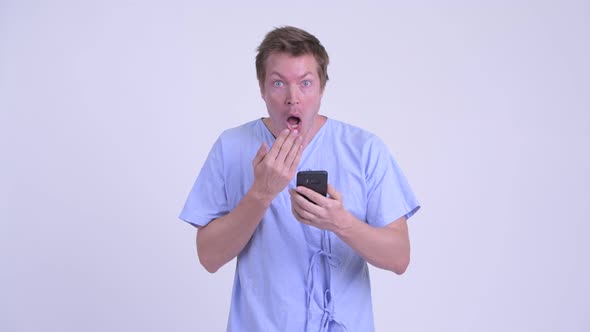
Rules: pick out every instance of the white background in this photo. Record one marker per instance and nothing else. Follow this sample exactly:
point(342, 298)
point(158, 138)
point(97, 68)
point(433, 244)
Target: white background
point(108, 110)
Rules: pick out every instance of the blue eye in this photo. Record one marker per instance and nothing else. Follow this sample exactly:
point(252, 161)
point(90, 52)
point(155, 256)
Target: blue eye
point(278, 84)
point(306, 83)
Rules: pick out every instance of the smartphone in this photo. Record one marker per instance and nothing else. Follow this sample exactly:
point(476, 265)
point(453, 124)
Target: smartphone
point(314, 180)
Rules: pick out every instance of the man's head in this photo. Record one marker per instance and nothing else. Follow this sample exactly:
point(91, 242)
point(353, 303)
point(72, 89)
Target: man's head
point(292, 72)
point(294, 42)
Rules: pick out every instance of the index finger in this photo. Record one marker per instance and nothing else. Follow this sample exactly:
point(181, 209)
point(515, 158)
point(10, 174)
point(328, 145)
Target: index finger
point(314, 196)
point(289, 145)
point(276, 146)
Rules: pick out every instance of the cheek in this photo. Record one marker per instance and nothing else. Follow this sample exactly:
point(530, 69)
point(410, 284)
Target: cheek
point(313, 96)
point(276, 92)
point(313, 102)
point(269, 97)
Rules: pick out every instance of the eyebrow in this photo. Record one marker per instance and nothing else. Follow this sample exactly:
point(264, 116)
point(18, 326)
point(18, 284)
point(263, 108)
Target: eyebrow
point(300, 77)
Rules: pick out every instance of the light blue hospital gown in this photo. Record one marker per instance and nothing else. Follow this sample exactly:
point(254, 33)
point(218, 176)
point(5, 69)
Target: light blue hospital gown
point(290, 276)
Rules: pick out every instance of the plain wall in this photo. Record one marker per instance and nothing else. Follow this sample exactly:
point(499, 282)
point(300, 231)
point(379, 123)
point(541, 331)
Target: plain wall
point(109, 108)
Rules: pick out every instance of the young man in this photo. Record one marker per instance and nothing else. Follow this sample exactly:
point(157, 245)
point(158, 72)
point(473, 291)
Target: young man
point(301, 265)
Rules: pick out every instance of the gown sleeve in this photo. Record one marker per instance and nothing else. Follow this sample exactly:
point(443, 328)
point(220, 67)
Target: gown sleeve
point(389, 195)
point(207, 199)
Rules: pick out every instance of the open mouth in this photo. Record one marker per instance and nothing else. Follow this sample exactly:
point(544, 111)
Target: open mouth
point(293, 122)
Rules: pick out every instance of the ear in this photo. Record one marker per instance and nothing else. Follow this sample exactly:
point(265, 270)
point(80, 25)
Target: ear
point(261, 86)
point(322, 89)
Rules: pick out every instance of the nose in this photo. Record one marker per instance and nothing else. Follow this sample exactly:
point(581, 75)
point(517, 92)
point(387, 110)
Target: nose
point(292, 96)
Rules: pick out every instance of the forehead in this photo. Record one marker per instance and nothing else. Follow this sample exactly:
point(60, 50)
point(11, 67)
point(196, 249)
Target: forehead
point(288, 65)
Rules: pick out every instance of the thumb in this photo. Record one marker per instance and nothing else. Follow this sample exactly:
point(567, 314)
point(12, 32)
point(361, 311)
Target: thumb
point(335, 194)
point(260, 154)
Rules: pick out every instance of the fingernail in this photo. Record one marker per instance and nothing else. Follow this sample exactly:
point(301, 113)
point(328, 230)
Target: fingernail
point(296, 132)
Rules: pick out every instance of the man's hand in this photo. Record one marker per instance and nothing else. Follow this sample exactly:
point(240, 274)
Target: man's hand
point(274, 169)
point(328, 214)
point(385, 247)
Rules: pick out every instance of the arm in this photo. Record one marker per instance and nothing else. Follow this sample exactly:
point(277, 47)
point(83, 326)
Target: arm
point(384, 247)
point(224, 238)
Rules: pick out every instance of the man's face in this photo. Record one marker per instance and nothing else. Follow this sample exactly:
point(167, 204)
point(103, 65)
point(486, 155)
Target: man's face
point(292, 93)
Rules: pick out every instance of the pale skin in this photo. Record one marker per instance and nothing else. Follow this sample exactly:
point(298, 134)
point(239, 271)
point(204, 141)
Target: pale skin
point(384, 247)
point(292, 89)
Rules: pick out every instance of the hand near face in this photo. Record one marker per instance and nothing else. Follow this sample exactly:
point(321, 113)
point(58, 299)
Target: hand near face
point(274, 169)
point(328, 213)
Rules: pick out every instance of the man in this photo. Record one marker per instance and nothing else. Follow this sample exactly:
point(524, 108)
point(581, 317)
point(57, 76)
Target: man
point(301, 265)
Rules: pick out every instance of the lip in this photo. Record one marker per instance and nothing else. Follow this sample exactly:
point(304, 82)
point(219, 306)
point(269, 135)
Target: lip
point(293, 127)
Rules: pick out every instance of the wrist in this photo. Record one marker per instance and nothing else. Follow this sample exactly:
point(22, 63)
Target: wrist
point(345, 226)
point(259, 196)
